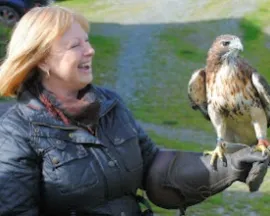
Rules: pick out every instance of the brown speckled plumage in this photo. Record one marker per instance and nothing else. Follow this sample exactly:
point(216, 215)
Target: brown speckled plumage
point(230, 93)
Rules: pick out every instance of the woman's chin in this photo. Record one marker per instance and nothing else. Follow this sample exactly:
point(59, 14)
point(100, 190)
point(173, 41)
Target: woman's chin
point(86, 79)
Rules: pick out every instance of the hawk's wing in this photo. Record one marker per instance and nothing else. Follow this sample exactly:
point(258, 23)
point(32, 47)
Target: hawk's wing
point(263, 89)
point(197, 92)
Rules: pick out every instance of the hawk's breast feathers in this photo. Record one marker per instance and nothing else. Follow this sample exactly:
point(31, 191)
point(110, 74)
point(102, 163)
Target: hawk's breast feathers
point(231, 89)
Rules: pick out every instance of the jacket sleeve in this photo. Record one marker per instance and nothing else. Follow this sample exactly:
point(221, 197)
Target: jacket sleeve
point(148, 147)
point(19, 171)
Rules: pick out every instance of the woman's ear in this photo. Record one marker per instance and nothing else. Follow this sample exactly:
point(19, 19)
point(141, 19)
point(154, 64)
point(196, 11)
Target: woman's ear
point(43, 66)
point(44, 69)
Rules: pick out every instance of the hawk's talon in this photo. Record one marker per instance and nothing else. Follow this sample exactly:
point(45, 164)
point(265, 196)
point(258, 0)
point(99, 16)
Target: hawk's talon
point(263, 149)
point(217, 153)
point(263, 146)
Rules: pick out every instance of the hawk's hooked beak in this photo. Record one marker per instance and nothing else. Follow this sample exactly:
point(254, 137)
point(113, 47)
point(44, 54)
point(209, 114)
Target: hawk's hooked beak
point(236, 45)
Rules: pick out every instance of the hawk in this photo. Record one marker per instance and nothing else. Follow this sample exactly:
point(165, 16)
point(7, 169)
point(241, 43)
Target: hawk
point(233, 96)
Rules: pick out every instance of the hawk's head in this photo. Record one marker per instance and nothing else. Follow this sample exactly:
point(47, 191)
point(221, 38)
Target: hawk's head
point(225, 47)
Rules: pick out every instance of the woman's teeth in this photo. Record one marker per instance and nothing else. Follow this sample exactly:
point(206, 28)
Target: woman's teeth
point(84, 66)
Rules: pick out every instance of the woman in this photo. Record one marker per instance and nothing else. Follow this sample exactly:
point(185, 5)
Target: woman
point(71, 148)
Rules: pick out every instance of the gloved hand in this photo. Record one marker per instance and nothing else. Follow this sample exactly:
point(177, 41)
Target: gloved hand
point(178, 179)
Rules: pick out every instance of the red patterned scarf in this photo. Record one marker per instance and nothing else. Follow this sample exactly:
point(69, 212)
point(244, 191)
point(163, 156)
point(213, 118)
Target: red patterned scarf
point(82, 111)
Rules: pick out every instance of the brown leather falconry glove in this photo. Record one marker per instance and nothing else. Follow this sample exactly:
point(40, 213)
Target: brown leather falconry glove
point(179, 179)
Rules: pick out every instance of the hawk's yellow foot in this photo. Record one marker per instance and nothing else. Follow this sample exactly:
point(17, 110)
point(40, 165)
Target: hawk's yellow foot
point(217, 153)
point(263, 146)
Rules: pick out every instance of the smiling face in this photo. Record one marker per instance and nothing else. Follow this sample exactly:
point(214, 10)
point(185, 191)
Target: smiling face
point(69, 62)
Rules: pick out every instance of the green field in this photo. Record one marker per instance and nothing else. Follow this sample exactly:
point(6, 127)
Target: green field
point(178, 49)
point(188, 54)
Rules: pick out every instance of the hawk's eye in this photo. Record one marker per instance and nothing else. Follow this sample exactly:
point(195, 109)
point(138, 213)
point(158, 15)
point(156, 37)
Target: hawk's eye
point(225, 43)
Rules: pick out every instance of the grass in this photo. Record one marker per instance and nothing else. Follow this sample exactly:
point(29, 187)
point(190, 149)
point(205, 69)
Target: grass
point(175, 144)
point(105, 60)
point(4, 37)
point(168, 99)
point(236, 201)
point(80, 5)
point(256, 40)
point(89, 8)
point(181, 50)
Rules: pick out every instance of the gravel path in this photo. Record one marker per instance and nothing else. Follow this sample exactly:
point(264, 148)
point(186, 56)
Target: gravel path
point(148, 18)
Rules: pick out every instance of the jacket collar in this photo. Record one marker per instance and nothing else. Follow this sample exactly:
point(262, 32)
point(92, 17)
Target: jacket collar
point(37, 112)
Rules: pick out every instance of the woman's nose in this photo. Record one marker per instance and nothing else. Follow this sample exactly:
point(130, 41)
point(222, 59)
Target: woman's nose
point(89, 50)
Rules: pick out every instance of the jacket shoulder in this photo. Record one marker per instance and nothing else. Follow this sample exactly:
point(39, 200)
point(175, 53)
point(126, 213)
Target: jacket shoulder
point(14, 122)
point(109, 94)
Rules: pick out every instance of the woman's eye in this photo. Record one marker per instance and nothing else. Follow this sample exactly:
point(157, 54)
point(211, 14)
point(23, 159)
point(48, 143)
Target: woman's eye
point(74, 45)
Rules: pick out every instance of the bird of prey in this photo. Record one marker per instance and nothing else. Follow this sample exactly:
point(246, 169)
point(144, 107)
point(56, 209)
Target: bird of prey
point(233, 96)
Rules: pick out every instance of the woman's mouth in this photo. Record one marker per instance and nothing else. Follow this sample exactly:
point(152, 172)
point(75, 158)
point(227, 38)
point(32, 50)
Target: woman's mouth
point(85, 67)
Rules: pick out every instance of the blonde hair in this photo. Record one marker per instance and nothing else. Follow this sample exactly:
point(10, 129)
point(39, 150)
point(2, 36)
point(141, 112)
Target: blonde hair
point(31, 41)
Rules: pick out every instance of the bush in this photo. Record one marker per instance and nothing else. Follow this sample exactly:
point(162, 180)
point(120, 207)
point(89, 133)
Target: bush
point(4, 38)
